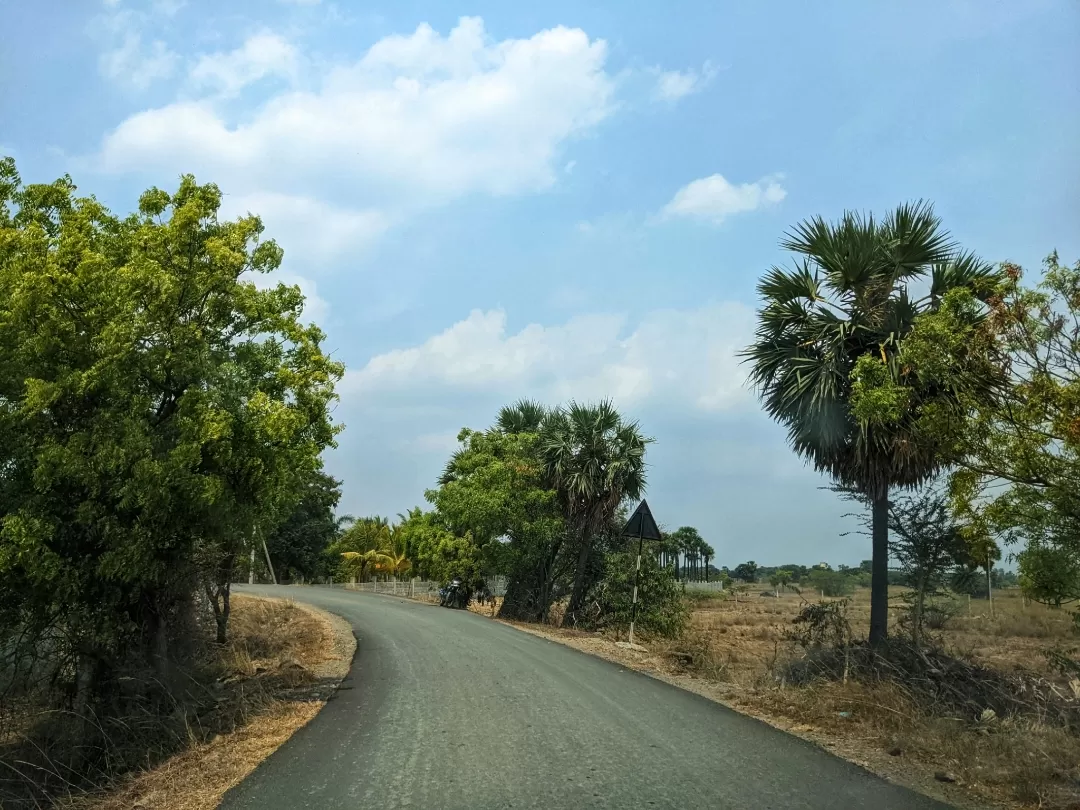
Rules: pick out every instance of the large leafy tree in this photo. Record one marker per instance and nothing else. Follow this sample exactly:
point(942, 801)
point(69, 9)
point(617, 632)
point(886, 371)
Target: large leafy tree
point(1017, 445)
point(834, 324)
point(495, 491)
point(596, 461)
point(157, 409)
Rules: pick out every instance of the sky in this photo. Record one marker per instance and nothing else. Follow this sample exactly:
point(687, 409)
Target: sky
point(562, 200)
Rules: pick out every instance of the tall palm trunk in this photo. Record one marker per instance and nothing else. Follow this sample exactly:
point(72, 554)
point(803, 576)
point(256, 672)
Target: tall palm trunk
point(577, 595)
point(879, 569)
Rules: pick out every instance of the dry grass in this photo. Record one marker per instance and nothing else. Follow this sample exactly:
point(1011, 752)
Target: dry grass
point(267, 684)
point(197, 779)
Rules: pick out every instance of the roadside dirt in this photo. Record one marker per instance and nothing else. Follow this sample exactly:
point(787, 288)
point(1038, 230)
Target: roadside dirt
point(284, 661)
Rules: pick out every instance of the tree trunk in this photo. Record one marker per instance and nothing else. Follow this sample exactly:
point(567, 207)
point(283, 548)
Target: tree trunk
point(577, 595)
point(916, 624)
point(879, 575)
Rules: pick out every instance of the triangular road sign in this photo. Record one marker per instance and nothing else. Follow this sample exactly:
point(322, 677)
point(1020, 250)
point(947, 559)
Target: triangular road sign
point(642, 524)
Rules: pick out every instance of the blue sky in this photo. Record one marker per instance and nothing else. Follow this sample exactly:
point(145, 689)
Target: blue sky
point(562, 200)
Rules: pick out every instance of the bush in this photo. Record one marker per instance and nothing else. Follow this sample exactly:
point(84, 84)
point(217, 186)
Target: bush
point(662, 606)
point(831, 583)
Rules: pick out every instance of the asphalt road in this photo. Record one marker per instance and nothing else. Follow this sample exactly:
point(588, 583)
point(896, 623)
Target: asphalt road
point(445, 709)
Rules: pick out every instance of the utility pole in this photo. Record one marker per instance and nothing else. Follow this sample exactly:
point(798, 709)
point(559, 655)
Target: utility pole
point(270, 565)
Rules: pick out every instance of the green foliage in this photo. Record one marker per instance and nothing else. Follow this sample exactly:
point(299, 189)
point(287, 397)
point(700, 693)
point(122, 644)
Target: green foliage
point(595, 461)
point(1049, 573)
point(662, 608)
point(877, 400)
point(157, 410)
point(297, 546)
point(440, 554)
point(830, 583)
point(538, 497)
point(747, 571)
point(1016, 374)
point(494, 492)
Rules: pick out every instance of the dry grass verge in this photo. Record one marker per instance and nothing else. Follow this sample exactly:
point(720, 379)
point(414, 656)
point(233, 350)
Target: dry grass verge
point(733, 654)
point(282, 663)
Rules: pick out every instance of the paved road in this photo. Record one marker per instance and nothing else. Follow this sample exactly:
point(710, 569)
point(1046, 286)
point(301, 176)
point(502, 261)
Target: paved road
point(444, 709)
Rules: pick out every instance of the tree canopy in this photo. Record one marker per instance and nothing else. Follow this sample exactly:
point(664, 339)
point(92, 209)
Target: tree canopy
point(158, 410)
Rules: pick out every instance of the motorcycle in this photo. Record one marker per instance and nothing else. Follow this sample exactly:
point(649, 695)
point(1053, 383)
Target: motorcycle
point(454, 595)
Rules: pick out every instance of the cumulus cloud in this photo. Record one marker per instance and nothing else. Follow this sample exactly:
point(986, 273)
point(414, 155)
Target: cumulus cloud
point(684, 356)
point(430, 115)
point(307, 226)
point(672, 85)
point(713, 199)
point(264, 54)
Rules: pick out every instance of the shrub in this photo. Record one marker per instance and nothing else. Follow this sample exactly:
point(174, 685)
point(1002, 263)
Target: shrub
point(662, 606)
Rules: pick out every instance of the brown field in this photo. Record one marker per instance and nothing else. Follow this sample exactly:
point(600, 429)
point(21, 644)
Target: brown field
point(732, 653)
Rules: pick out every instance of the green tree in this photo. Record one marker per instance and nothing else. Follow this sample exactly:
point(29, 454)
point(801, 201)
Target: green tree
point(830, 583)
point(780, 579)
point(297, 546)
point(495, 490)
point(831, 328)
point(747, 571)
point(157, 411)
point(595, 461)
point(1016, 374)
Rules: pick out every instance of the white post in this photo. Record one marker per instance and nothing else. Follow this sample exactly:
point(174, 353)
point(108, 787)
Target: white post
point(633, 613)
point(251, 571)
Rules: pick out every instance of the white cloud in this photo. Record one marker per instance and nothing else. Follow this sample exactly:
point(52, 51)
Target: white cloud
point(713, 198)
point(683, 356)
point(307, 227)
point(672, 85)
point(128, 57)
point(168, 7)
point(264, 54)
point(424, 116)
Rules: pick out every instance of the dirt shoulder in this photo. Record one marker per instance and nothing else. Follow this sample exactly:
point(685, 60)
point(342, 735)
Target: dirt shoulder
point(283, 663)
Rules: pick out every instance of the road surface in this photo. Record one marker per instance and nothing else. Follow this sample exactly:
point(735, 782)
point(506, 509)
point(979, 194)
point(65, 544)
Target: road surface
point(444, 709)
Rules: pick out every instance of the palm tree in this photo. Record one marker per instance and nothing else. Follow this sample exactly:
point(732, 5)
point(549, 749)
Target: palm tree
point(524, 416)
point(849, 296)
point(595, 461)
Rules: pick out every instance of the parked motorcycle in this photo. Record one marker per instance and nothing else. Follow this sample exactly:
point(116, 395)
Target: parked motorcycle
point(455, 595)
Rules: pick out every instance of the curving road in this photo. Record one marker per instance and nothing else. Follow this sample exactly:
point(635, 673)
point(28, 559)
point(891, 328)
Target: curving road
point(446, 709)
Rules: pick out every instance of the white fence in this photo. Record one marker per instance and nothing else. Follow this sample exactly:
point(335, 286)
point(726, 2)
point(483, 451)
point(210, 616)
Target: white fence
point(413, 588)
point(712, 587)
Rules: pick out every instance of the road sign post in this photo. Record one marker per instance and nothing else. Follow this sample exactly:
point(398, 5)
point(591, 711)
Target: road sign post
point(643, 525)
